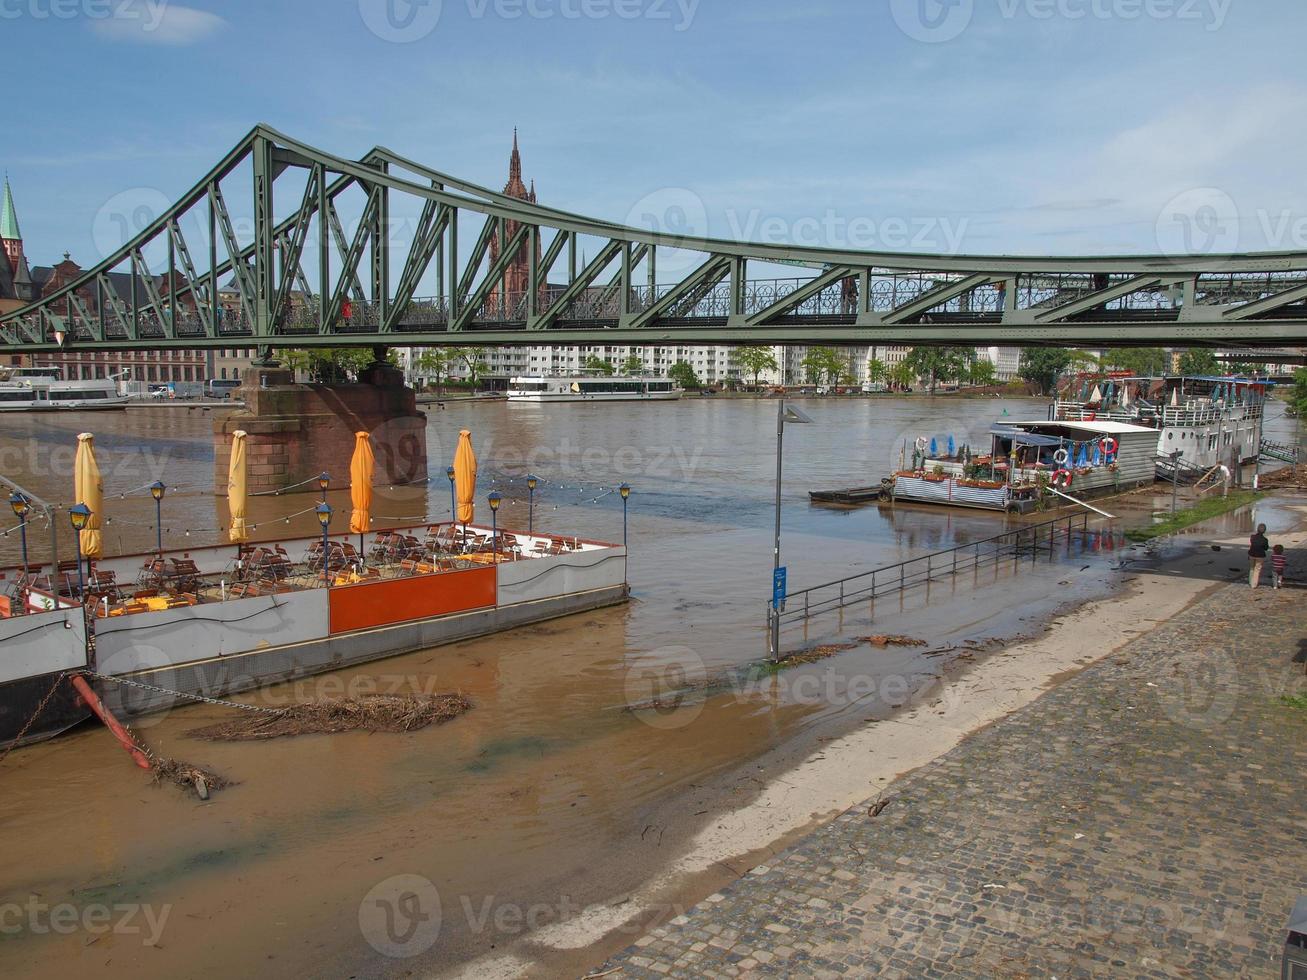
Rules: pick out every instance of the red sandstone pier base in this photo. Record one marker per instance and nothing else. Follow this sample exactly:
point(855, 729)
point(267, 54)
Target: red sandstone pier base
point(296, 431)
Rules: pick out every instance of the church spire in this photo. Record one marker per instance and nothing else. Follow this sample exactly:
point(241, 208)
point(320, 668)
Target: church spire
point(9, 216)
point(515, 164)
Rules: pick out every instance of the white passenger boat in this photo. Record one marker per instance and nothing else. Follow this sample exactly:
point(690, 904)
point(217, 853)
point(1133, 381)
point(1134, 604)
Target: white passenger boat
point(1209, 421)
point(42, 389)
point(591, 389)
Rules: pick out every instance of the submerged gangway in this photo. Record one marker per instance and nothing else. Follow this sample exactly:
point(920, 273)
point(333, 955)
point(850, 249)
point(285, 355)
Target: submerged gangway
point(1016, 547)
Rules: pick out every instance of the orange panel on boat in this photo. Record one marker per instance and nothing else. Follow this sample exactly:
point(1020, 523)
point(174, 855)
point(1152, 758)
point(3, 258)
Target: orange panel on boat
point(403, 600)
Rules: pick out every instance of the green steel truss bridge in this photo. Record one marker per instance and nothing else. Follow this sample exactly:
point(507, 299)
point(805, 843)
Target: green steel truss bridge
point(299, 275)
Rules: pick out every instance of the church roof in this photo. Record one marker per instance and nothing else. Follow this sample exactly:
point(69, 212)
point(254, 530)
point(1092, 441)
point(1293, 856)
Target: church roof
point(9, 216)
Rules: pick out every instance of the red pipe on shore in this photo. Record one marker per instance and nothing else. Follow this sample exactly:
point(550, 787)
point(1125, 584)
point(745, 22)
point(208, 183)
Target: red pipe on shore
point(119, 732)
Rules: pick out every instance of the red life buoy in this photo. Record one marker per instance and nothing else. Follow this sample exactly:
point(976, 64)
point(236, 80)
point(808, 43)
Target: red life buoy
point(1062, 478)
point(1092, 416)
point(1109, 446)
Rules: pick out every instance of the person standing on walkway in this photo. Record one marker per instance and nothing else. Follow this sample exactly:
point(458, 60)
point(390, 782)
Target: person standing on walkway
point(1258, 546)
point(1279, 561)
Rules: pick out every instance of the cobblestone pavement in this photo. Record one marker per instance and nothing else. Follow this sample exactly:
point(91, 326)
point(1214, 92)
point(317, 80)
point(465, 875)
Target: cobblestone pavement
point(1146, 818)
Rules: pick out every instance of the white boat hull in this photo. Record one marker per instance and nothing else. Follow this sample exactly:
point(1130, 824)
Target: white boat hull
point(668, 396)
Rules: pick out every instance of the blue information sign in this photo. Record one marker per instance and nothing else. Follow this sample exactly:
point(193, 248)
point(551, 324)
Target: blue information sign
point(778, 588)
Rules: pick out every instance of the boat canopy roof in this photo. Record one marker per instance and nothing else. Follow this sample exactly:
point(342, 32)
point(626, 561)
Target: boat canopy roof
point(1100, 428)
point(1024, 438)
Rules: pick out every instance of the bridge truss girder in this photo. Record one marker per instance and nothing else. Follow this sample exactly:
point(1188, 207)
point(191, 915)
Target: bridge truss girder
point(839, 297)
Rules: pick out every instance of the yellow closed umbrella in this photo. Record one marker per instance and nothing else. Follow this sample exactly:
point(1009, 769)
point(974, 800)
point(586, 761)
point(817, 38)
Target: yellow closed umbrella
point(361, 468)
point(89, 490)
point(465, 477)
point(236, 488)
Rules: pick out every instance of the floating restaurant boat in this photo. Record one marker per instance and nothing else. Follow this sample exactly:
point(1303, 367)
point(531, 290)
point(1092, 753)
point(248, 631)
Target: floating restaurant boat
point(41, 389)
point(1026, 463)
point(1209, 421)
point(589, 389)
point(217, 621)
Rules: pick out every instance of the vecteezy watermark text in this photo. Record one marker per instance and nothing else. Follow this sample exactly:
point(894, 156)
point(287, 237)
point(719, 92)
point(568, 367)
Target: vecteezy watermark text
point(939, 21)
point(406, 21)
point(148, 13)
point(40, 918)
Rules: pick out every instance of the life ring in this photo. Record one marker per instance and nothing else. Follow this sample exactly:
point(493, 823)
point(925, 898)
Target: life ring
point(1061, 456)
point(1109, 446)
point(921, 444)
point(1063, 478)
point(1091, 416)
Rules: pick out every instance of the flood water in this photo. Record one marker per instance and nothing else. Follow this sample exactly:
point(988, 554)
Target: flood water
point(549, 794)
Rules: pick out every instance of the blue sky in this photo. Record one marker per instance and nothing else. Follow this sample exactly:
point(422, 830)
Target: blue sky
point(983, 126)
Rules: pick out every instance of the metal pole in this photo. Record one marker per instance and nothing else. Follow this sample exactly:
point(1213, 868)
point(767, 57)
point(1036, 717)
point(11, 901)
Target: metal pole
point(22, 529)
point(531, 516)
point(158, 525)
point(453, 503)
point(81, 585)
point(326, 559)
point(776, 548)
point(494, 534)
point(624, 535)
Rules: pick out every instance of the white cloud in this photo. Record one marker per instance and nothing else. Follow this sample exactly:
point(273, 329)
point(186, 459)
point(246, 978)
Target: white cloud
point(157, 22)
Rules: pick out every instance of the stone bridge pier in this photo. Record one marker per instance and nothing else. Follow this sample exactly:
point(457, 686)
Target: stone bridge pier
point(297, 431)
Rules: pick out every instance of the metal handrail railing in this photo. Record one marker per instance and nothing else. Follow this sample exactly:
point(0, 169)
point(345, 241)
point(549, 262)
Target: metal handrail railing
point(923, 569)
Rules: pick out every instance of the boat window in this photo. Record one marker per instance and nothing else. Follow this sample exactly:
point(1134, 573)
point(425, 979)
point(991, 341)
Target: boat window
point(532, 386)
point(16, 396)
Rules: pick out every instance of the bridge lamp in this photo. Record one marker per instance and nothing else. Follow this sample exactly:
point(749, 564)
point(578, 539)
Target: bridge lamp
point(324, 483)
point(625, 491)
point(79, 515)
point(496, 498)
point(323, 512)
point(157, 490)
point(22, 506)
point(531, 483)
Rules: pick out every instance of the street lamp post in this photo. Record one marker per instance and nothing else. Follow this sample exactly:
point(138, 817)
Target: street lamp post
point(625, 491)
point(79, 515)
point(157, 490)
point(531, 483)
point(323, 510)
point(453, 499)
point(324, 484)
point(495, 499)
point(783, 415)
point(22, 507)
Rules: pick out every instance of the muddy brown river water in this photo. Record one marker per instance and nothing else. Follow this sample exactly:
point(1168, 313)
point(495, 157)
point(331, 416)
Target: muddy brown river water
point(547, 797)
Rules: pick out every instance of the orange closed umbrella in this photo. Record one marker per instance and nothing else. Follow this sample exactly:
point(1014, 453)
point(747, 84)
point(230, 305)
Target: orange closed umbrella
point(236, 489)
point(361, 468)
point(89, 490)
point(465, 477)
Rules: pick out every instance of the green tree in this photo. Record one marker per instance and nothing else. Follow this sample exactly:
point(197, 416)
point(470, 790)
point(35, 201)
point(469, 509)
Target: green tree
point(1200, 361)
point(940, 363)
point(902, 376)
point(470, 359)
point(755, 360)
point(1142, 361)
point(633, 365)
point(876, 371)
point(598, 365)
point(981, 374)
point(683, 374)
point(1042, 366)
point(822, 364)
point(1297, 395)
point(334, 365)
point(434, 361)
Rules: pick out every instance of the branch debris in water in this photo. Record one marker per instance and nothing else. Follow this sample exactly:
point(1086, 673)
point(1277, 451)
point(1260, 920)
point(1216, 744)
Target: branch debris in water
point(391, 713)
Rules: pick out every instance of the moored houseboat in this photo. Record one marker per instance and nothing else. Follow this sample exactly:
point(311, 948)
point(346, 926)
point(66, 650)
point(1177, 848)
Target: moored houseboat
point(1209, 421)
point(220, 620)
point(1027, 462)
point(589, 389)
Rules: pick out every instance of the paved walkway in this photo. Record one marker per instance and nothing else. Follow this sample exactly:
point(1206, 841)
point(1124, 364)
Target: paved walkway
point(1147, 818)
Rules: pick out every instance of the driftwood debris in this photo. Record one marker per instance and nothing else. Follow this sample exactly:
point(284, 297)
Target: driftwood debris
point(391, 713)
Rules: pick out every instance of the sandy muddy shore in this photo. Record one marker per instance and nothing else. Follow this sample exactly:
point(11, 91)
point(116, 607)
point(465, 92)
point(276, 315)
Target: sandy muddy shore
point(850, 769)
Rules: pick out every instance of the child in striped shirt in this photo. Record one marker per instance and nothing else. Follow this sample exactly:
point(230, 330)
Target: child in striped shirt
point(1278, 562)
